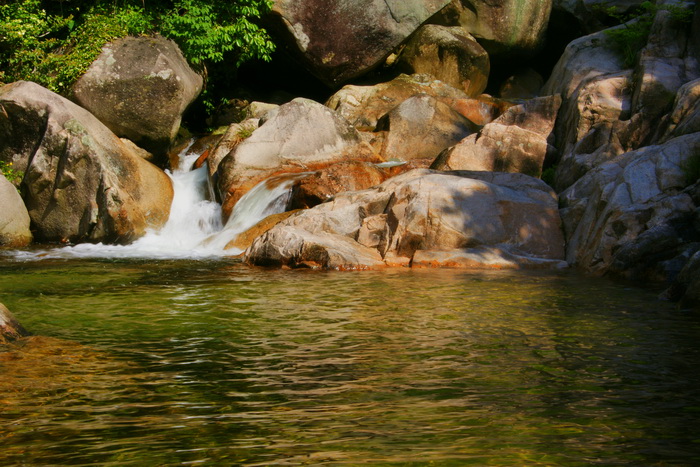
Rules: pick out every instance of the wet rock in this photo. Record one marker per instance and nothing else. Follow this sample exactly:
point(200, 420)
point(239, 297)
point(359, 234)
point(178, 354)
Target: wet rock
point(421, 127)
point(343, 39)
point(139, 87)
point(14, 218)
point(10, 329)
point(363, 106)
point(450, 55)
point(81, 183)
point(420, 210)
point(301, 136)
point(514, 142)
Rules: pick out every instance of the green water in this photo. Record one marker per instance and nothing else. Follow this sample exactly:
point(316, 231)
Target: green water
point(215, 363)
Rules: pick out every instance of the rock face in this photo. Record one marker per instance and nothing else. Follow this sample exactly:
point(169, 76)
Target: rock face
point(505, 28)
point(10, 329)
point(450, 55)
point(14, 218)
point(633, 212)
point(508, 220)
point(421, 127)
point(363, 106)
point(139, 87)
point(514, 142)
point(302, 135)
point(81, 183)
point(341, 39)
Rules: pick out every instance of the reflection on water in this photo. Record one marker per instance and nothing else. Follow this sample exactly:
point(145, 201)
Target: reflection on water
point(165, 363)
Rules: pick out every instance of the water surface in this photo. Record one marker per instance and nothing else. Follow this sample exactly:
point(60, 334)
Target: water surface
point(144, 362)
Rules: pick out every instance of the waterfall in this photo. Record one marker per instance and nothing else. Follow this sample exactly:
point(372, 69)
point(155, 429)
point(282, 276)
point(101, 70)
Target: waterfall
point(194, 228)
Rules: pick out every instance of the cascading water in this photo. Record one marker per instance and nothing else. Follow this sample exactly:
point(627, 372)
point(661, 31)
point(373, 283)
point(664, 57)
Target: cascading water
point(194, 228)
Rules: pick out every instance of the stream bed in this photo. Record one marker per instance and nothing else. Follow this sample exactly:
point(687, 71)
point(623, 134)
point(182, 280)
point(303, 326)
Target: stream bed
point(176, 362)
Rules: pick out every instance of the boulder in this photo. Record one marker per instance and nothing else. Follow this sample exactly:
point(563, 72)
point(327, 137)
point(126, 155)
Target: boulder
point(139, 87)
point(514, 142)
point(686, 287)
point(685, 116)
point(526, 83)
point(342, 39)
point(450, 55)
point(632, 206)
point(81, 183)
point(363, 106)
point(507, 29)
point(14, 218)
point(301, 136)
point(422, 127)
point(10, 329)
point(421, 211)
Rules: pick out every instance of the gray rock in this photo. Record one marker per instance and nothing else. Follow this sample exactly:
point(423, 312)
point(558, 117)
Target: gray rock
point(343, 39)
point(450, 55)
point(14, 218)
point(81, 183)
point(139, 87)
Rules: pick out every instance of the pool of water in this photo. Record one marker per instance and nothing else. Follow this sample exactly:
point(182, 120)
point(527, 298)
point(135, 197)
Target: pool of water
point(143, 362)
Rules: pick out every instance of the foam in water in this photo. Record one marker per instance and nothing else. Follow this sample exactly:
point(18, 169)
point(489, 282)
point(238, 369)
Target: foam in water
point(194, 228)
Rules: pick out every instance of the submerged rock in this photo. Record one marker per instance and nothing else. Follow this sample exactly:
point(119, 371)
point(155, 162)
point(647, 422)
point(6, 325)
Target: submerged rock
point(139, 87)
point(81, 183)
point(10, 329)
point(14, 218)
point(422, 211)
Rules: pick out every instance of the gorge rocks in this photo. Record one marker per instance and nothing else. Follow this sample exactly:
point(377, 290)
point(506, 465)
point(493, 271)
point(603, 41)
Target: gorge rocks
point(139, 87)
point(636, 197)
point(343, 39)
point(448, 54)
point(14, 218)
point(507, 29)
point(514, 142)
point(81, 183)
point(300, 136)
point(422, 210)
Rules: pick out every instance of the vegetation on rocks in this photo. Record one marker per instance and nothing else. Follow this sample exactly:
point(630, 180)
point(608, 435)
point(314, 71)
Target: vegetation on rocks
point(53, 43)
point(13, 176)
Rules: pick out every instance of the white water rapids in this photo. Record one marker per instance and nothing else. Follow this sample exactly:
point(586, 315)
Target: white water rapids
point(194, 228)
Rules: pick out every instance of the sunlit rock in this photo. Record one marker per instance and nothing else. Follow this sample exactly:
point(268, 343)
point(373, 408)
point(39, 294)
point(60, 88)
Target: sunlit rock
point(517, 141)
point(10, 329)
point(81, 183)
point(14, 218)
point(301, 136)
point(139, 87)
point(421, 210)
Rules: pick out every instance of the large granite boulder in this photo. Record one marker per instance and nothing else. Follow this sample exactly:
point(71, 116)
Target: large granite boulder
point(635, 212)
point(517, 141)
point(339, 40)
point(14, 218)
point(363, 106)
point(450, 55)
point(507, 29)
point(510, 220)
point(82, 183)
point(300, 136)
point(422, 127)
point(139, 87)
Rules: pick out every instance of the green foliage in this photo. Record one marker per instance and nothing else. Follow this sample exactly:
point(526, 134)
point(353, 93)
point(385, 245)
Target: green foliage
point(12, 175)
point(55, 46)
point(632, 36)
